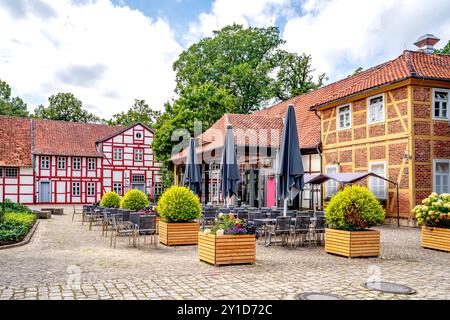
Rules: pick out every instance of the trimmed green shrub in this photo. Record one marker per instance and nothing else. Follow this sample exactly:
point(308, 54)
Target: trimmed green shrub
point(354, 208)
point(134, 200)
point(15, 226)
point(179, 204)
point(19, 217)
point(110, 200)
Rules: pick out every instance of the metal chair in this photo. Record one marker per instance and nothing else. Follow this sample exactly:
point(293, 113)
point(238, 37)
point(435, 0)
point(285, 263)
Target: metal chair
point(121, 228)
point(125, 214)
point(146, 226)
point(319, 229)
point(87, 211)
point(261, 227)
point(300, 227)
point(77, 211)
point(208, 217)
point(242, 215)
point(282, 227)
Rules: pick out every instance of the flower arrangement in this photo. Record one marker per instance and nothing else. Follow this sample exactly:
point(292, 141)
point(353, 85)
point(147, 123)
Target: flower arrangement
point(434, 211)
point(227, 224)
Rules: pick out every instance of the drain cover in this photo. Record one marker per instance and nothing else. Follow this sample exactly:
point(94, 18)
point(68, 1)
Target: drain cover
point(318, 296)
point(389, 287)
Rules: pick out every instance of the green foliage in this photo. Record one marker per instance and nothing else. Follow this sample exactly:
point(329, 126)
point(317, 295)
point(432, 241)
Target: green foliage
point(65, 107)
point(15, 226)
point(434, 211)
point(444, 50)
point(134, 200)
point(179, 204)
point(357, 71)
point(354, 208)
point(11, 106)
point(110, 200)
point(226, 224)
point(295, 75)
point(139, 112)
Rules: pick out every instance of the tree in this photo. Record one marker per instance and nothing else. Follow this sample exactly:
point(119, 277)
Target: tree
point(444, 50)
point(139, 112)
point(11, 106)
point(65, 107)
point(357, 71)
point(295, 77)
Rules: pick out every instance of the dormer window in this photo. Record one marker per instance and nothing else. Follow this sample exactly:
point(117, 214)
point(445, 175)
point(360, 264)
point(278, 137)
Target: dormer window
point(376, 109)
point(344, 117)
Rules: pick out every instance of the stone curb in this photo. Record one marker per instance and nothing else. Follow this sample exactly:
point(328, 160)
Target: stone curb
point(25, 241)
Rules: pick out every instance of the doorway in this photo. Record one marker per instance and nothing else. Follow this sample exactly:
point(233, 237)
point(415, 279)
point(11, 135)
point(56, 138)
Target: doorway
point(44, 191)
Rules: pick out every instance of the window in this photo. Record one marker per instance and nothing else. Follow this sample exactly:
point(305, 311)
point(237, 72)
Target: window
point(344, 117)
point(11, 172)
point(76, 163)
point(117, 188)
point(442, 176)
point(138, 135)
point(376, 109)
point(137, 178)
point(138, 155)
point(158, 189)
point(440, 104)
point(214, 190)
point(45, 162)
point(1, 172)
point(76, 189)
point(377, 185)
point(61, 162)
point(91, 189)
point(91, 164)
point(331, 186)
point(118, 153)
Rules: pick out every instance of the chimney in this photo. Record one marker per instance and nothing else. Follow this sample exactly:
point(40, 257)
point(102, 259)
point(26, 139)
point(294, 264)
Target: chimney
point(426, 43)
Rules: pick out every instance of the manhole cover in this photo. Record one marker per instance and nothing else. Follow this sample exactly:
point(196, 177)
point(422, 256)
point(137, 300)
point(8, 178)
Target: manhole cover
point(318, 296)
point(389, 287)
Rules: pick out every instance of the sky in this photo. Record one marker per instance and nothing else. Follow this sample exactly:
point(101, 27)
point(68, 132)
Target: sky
point(110, 52)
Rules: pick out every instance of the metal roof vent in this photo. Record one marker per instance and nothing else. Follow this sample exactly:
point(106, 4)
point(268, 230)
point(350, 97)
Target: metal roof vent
point(426, 43)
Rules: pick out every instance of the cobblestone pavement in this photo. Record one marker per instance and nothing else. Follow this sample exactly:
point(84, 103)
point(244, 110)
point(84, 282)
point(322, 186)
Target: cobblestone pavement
point(65, 260)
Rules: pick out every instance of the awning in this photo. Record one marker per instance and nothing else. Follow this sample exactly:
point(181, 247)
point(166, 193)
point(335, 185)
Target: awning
point(345, 178)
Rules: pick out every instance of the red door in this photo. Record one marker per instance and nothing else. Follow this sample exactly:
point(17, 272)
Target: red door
point(270, 192)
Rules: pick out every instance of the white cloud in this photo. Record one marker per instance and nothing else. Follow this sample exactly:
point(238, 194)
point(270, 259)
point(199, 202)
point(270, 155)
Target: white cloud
point(255, 13)
point(342, 35)
point(106, 55)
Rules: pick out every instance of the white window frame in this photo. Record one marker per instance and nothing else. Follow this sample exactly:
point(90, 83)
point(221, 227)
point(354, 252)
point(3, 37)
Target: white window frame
point(158, 189)
point(139, 133)
point(139, 152)
point(338, 120)
point(331, 185)
point(92, 164)
point(76, 186)
point(76, 160)
point(117, 188)
point(9, 170)
point(373, 179)
point(448, 104)
point(62, 160)
point(116, 154)
point(45, 160)
point(435, 161)
point(90, 189)
point(369, 107)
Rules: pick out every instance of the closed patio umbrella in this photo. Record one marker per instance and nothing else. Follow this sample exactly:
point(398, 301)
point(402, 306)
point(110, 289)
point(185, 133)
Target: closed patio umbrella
point(192, 176)
point(229, 170)
point(290, 167)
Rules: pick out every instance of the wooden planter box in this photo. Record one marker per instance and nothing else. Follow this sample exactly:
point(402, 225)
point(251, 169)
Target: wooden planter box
point(227, 249)
point(353, 243)
point(178, 233)
point(436, 238)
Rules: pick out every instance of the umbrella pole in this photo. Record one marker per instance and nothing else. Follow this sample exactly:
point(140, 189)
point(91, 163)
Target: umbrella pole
point(285, 207)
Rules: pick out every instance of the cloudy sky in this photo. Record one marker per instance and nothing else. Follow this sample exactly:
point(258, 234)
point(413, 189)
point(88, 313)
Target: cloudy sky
point(109, 52)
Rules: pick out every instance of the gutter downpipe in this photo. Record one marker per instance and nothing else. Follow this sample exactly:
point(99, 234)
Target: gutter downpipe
point(320, 155)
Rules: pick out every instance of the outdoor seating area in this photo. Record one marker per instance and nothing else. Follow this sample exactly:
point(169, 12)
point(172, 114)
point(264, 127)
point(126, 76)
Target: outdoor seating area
point(297, 228)
point(123, 223)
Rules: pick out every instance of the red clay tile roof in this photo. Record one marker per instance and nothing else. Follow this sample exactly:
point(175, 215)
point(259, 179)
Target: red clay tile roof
point(15, 143)
point(69, 138)
point(408, 65)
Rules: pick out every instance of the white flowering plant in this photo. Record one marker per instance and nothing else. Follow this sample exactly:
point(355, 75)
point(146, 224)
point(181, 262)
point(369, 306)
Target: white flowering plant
point(434, 211)
point(228, 224)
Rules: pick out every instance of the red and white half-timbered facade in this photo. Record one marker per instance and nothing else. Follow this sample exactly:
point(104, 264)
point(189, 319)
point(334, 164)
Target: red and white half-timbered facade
point(56, 162)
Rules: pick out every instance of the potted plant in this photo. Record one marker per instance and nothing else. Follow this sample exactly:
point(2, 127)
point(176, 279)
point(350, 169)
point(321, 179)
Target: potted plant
point(110, 200)
point(434, 216)
point(134, 200)
point(228, 241)
point(178, 207)
point(350, 214)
